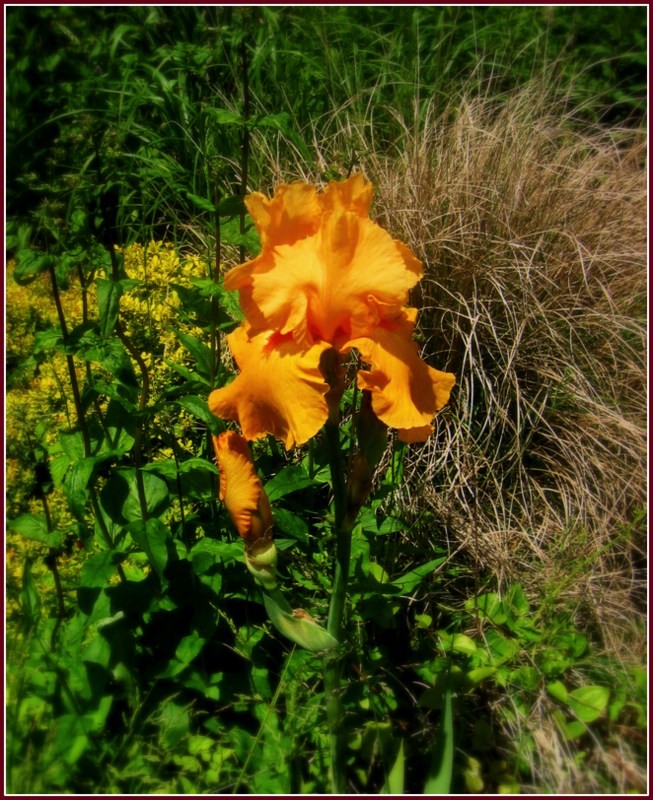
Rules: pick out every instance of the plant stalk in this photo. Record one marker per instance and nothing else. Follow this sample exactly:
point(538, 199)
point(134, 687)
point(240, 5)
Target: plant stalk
point(333, 661)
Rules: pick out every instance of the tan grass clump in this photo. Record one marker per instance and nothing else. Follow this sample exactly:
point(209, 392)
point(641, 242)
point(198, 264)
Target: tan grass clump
point(532, 228)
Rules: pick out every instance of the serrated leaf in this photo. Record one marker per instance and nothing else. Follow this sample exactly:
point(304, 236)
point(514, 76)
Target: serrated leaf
point(35, 527)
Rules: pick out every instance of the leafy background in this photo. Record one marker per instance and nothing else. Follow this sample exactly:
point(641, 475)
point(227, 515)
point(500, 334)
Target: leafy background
point(501, 565)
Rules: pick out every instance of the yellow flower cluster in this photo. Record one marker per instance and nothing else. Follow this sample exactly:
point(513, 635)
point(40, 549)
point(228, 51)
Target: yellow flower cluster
point(42, 400)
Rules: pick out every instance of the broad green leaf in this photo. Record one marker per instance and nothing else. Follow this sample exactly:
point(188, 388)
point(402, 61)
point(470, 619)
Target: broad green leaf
point(476, 676)
point(152, 537)
point(29, 264)
point(589, 702)
point(457, 643)
point(76, 485)
point(198, 407)
point(200, 352)
point(98, 569)
point(558, 690)
point(290, 479)
point(488, 606)
point(29, 596)
point(224, 117)
point(290, 524)
point(189, 648)
point(35, 527)
point(155, 491)
point(209, 552)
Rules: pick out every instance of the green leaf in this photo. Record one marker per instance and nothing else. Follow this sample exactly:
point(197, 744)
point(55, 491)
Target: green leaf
point(201, 202)
point(476, 676)
point(189, 648)
point(441, 766)
point(35, 527)
point(29, 596)
point(589, 702)
point(290, 479)
point(394, 783)
point(155, 491)
point(200, 352)
point(29, 264)
point(108, 296)
point(558, 690)
point(224, 117)
point(407, 582)
point(76, 485)
point(290, 524)
point(198, 407)
point(488, 606)
point(152, 537)
point(98, 569)
point(457, 643)
point(209, 552)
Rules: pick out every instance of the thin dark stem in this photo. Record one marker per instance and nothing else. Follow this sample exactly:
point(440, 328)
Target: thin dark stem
point(81, 419)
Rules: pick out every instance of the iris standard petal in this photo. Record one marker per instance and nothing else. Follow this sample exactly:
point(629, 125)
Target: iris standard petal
point(406, 392)
point(280, 388)
point(332, 282)
point(292, 214)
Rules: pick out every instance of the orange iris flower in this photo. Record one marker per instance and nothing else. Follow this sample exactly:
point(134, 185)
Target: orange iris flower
point(327, 278)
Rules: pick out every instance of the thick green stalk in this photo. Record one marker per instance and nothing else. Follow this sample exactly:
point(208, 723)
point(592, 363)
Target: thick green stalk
point(332, 661)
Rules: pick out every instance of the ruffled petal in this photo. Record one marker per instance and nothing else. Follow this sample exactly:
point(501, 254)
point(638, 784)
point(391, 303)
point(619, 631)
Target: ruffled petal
point(292, 214)
point(333, 282)
point(322, 274)
point(353, 194)
point(241, 489)
point(406, 392)
point(280, 389)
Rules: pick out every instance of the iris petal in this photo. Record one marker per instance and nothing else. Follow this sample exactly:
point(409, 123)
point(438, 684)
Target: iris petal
point(406, 392)
point(280, 388)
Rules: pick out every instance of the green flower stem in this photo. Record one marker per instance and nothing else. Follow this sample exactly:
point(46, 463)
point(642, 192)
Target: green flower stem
point(332, 661)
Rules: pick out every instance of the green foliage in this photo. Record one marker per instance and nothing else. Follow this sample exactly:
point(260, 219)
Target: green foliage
point(140, 656)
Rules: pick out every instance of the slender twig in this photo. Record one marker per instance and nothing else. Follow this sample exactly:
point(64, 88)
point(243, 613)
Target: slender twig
point(72, 374)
